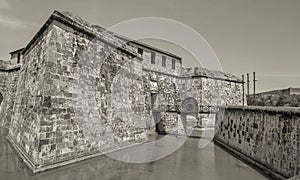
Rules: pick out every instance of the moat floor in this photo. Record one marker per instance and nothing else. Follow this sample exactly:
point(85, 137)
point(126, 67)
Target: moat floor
point(188, 162)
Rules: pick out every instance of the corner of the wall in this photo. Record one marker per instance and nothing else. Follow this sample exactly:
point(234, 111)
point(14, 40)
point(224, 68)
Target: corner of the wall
point(253, 163)
point(30, 164)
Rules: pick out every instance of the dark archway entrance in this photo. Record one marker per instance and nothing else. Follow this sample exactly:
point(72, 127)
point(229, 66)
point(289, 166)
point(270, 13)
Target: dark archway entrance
point(1, 99)
point(156, 113)
point(3, 131)
point(189, 108)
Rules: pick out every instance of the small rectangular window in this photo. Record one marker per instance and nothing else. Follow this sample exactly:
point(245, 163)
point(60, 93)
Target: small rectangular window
point(173, 63)
point(163, 61)
point(19, 58)
point(152, 58)
point(140, 51)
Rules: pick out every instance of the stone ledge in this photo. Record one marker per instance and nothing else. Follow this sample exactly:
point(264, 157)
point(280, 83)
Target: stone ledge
point(23, 156)
point(287, 110)
point(10, 69)
point(7, 66)
point(36, 169)
point(254, 164)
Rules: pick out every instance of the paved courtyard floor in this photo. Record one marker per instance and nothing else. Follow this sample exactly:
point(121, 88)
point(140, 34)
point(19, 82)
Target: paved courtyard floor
point(188, 162)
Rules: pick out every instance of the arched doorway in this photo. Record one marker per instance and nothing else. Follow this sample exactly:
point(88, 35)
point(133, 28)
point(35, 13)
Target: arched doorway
point(189, 113)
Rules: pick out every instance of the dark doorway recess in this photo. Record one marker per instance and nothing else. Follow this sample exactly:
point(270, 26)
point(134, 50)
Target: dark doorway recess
point(189, 108)
point(1, 98)
point(156, 113)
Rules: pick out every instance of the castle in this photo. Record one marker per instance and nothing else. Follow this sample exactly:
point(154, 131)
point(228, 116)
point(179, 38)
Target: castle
point(76, 89)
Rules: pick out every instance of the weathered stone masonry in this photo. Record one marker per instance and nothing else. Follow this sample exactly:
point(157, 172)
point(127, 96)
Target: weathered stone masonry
point(83, 91)
point(267, 137)
point(8, 81)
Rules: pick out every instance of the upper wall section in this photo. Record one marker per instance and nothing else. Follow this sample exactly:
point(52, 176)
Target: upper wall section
point(16, 56)
point(205, 73)
point(76, 23)
point(7, 66)
point(156, 60)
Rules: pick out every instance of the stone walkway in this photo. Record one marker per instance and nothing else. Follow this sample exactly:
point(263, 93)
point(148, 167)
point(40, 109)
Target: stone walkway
point(188, 162)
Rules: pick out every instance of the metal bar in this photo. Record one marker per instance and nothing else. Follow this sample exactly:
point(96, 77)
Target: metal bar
point(254, 81)
point(243, 79)
point(248, 82)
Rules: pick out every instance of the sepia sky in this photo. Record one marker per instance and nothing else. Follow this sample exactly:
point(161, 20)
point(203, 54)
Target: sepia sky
point(246, 35)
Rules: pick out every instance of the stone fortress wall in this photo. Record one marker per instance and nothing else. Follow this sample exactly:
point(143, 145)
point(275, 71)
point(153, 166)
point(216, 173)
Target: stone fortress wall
point(289, 97)
point(8, 86)
point(82, 91)
point(266, 137)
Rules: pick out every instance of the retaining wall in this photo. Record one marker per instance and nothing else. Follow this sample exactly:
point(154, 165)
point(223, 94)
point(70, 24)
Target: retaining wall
point(267, 137)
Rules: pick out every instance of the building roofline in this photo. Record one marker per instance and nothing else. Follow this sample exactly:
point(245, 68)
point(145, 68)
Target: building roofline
point(68, 21)
point(227, 79)
point(276, 90)
point(157, 49)
point(39, 32)
point(294, 88)
point(149, 46)
point(15, 51)
point(65, 19)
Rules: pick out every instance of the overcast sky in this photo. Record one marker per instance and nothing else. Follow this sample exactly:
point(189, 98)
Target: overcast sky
point(246, 35)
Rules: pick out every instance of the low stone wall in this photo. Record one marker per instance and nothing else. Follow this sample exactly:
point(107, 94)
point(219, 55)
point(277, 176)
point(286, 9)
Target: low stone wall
point(267, 137)
point(273, 99)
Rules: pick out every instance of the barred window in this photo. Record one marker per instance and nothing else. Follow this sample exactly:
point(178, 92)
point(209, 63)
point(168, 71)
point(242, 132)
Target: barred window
point(173, 63)
point(19, 58)
point(152, 58)
point(140, 51)
point(163, 61)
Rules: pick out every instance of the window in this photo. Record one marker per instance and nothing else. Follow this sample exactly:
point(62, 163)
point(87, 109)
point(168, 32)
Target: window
point(173, 63)
point(1, 98)
point(140, 51)
point(152, 58)
point(19, 58)
point(163, 61)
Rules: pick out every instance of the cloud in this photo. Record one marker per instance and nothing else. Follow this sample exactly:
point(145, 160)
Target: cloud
point(10, 22)
point(4, 4)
